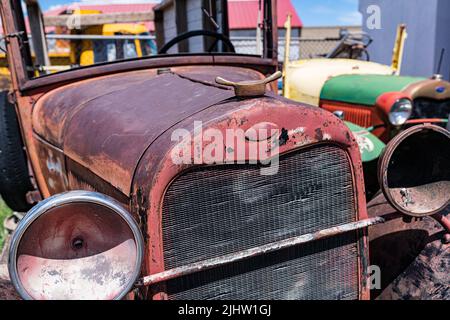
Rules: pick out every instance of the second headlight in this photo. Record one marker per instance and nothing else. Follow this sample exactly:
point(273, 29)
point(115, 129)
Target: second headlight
point(400, 112)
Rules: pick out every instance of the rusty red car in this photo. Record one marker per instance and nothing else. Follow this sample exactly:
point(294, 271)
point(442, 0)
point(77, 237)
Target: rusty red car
point(135, 190)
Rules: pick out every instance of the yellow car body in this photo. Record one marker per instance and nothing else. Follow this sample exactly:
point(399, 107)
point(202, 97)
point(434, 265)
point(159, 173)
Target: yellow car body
point(304, 79)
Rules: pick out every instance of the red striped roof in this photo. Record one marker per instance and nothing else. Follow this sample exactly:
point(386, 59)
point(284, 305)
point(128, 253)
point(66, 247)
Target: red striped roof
point(243, 14)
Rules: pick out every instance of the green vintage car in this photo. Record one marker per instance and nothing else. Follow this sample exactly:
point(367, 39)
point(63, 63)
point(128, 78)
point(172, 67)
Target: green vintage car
point(386, 104)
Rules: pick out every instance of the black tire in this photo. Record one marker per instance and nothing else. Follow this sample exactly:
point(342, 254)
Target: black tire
point(14, 177)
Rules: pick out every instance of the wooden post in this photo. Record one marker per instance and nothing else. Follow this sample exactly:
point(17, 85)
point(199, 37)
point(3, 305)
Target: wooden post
point(100, 19)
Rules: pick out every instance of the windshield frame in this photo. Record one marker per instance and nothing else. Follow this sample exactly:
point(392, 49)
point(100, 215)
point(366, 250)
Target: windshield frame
point(19, 55)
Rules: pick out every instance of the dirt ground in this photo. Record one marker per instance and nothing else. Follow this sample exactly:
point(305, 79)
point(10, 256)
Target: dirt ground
point(7, 291)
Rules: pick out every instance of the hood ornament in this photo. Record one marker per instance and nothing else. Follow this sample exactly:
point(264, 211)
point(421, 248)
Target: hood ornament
point(252, 88)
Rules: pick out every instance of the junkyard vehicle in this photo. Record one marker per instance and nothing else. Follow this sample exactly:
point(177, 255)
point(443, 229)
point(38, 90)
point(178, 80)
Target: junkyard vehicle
point(87, 51)
point(185, 176)
point(89, 42)
point(388, 104)
point(304, 79)
point(368, 94)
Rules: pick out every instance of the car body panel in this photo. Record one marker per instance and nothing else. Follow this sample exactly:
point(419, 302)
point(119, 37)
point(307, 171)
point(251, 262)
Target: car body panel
point(305, 126)
point(369, 145)
point(304, 79)
point(363, 89)
point(118, 128)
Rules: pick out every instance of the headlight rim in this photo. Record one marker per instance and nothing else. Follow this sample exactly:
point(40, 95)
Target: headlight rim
point(392, 110)
point(71, 197)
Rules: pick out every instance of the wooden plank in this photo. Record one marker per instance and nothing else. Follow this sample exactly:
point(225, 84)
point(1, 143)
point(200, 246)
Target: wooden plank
point(98, 19)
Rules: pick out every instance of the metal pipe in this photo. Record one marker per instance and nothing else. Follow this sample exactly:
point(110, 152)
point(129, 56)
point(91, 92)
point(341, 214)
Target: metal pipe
point(253, 252)
point(98, 37)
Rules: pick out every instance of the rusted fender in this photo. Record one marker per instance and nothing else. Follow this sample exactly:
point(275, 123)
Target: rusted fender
point(414, 260)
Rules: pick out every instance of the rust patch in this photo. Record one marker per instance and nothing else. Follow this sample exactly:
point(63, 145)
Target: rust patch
point(284, 137)
point(142, 207)
point(319, 134)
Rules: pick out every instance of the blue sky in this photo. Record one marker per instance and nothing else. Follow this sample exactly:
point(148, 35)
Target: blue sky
point(328, 12)
point(312, 12)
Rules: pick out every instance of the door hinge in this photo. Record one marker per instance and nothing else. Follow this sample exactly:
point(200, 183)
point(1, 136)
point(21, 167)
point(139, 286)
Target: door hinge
point(19, 35)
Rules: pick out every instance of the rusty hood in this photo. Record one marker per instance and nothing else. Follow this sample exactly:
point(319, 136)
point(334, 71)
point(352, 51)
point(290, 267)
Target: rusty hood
point(106, 124)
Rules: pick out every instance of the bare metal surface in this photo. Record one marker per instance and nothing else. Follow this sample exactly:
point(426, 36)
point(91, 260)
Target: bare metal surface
point(203, 265)
point(96, 277)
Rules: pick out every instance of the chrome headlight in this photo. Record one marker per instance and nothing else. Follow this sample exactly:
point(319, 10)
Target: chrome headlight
point(400, 112)
point(76, 245)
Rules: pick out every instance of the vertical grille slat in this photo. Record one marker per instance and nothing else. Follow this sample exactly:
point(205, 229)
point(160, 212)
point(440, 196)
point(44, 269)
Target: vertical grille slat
point(213, 211)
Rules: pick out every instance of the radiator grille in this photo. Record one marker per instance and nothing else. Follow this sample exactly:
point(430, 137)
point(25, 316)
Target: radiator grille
point(362, 116)
point(213, 211)
point(429, 108)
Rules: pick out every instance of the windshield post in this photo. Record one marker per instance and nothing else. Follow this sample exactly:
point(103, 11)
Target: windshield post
point(270, 30)
point(16, 41)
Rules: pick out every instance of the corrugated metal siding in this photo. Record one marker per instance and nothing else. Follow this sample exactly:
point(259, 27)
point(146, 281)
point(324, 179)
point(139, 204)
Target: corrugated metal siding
point(194, 22)
point(170, 28)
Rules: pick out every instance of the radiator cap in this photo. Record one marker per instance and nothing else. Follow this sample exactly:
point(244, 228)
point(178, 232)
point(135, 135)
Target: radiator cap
point(251, 88)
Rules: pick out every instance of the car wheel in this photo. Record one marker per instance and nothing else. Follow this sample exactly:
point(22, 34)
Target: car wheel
point(14, 176)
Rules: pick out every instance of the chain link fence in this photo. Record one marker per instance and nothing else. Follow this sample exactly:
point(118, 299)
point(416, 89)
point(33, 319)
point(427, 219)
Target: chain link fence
point(299, 48)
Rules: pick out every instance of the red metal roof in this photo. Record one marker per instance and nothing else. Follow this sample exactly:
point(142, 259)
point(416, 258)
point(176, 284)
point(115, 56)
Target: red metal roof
point(243, 14)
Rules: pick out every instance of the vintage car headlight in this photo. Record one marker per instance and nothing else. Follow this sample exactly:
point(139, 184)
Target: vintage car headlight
point(413, 171)
point(400, 112)
point(76, 245)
